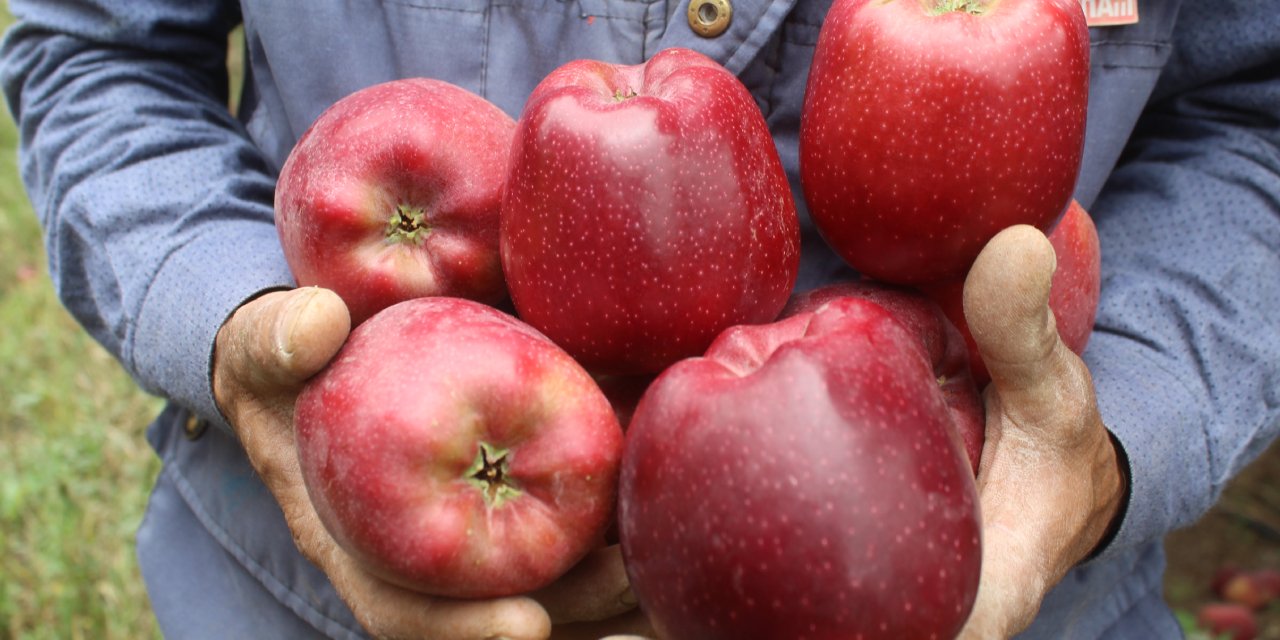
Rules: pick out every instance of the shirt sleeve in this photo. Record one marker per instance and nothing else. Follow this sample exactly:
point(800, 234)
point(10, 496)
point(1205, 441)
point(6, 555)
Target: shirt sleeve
point(156, 207)
point(1186, 351)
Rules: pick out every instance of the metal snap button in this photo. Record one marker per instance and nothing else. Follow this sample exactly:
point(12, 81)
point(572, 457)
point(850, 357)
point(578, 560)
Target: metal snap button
point(194, 427)
point(710, 18)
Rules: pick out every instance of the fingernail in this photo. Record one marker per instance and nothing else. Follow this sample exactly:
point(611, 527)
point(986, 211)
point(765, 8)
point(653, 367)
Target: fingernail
point(289, 318)
point(628, 598)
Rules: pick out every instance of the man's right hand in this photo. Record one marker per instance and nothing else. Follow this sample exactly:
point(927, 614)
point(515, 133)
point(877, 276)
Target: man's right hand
point(263, 356)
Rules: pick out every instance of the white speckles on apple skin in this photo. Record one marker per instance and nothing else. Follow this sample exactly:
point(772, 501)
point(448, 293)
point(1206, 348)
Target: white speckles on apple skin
point(829, 478)
point(387, 433)
point(922, 136)
point(415, 142)
point(634, 231)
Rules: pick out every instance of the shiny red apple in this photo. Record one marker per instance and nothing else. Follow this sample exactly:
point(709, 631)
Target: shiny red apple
point(393, 193)
point(646, 211)
point(454, 450)
point(930, 125)
point(803, 479)
point(946, 347)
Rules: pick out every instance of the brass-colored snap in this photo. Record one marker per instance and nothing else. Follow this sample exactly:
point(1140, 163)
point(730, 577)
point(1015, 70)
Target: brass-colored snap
point(710, 18)
point(194, 427)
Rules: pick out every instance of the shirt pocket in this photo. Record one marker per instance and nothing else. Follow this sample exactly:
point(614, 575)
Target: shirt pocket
point(779, 73)
point(442, 39)
point(501, 49)
point(1125, 63)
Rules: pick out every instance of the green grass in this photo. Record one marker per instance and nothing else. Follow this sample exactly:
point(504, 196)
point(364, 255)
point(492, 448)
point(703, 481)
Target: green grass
point(75, 470)
point(74, 467)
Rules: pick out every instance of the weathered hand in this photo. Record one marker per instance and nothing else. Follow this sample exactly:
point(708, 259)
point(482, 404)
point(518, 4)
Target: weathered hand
point(263, 356)
point(595, 591)
point(1049, 482)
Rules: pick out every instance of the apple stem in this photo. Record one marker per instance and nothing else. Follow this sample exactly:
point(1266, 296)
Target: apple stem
point(489, 474)
point(971, 7)
point(408, 224)
point(621, 95)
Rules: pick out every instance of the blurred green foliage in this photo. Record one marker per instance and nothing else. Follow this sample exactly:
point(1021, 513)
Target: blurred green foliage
point(75, 470)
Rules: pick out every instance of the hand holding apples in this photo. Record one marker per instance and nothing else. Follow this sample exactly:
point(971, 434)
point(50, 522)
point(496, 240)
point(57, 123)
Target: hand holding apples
point(458, 452)
point(1050, 481)
point(1073, 295)
point(264, 355)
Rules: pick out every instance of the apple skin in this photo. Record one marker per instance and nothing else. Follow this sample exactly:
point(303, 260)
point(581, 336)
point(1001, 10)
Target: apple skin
point(802, 480)
point(392, 435)
point(1228, 620)
point(646, 211)
point(1073, 293)
point(394, 193)
point(946, 347)
point(1254, 589)
point(922, 136)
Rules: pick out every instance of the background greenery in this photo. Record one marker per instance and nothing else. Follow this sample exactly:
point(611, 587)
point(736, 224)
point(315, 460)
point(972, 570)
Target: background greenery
point(75, 470)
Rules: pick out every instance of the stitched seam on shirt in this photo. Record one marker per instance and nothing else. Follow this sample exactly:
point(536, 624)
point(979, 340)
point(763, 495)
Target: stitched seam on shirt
point(261, 573)
point(639, 20)
point(1143, 45)
point(757, 38)
point(413, 5)
point(1119, 65)
point(1153, 44)
point(484, 51)
point(772, 60)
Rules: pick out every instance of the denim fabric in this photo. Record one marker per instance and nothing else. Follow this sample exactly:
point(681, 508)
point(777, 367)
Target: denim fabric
point(157, 210)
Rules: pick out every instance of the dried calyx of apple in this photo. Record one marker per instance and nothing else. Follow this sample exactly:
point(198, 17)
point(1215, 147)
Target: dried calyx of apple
point(971, 7)
point(489, 473)
point(408, 224)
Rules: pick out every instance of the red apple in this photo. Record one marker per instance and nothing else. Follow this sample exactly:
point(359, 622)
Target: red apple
point(1077, 282)
point(1223, 576)
point(802, 480)
point(947, 350)
point(1253, 589)
point(456, 451)
point(1228, 620)
point(646, 211)
point(394, 193)
point(929, 126)
point(1268, 581)
point(1073, 294)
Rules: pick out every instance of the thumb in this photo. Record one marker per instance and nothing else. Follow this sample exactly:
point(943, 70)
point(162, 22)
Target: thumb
point(274, 343)
point(1006, 304)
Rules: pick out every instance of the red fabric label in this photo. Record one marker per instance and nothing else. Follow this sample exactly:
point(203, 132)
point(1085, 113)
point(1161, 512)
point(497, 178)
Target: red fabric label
point(1109, 13)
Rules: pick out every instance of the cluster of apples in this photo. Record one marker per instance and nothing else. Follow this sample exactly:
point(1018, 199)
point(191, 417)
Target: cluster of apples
point(792, 466)
point(1240, 594)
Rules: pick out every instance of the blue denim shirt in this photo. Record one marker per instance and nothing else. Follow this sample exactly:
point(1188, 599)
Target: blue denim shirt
point(157, 208)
